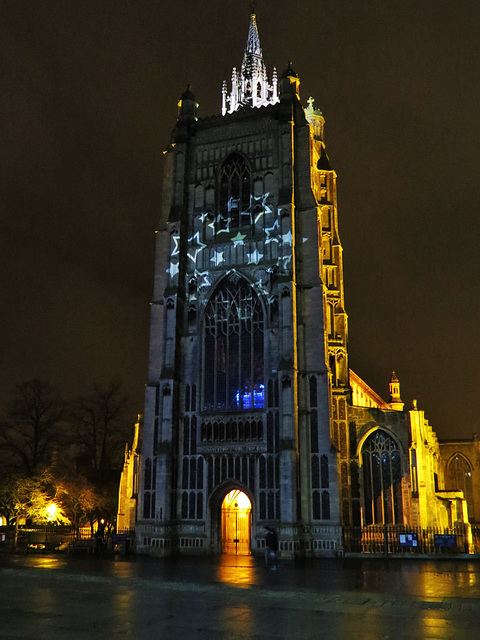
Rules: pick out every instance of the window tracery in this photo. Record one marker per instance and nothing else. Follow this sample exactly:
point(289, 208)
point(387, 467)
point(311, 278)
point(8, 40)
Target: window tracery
point(234, 193)
point(382, 477)
point(460, 478)
point(234, 348)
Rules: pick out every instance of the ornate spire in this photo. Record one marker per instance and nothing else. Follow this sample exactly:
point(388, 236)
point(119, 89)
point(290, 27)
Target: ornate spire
point(250, 86)
point(253, 39)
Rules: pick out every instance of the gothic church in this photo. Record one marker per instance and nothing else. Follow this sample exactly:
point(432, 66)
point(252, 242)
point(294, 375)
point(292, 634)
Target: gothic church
point(252, 415)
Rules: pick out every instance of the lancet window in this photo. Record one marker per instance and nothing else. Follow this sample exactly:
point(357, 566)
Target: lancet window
point(235, 187)
point(460, 478)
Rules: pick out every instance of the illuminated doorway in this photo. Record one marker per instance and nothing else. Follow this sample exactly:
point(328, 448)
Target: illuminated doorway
point(236, 523)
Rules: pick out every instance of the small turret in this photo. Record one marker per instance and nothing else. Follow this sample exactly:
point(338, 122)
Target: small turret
point(289, 83)
point(395, 399)
point(316, 119)
point(187, 107)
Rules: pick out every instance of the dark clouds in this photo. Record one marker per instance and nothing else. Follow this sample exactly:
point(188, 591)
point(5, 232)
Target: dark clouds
point(88, 98)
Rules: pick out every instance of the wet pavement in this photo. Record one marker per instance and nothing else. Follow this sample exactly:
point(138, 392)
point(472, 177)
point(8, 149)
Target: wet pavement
point(68, 596)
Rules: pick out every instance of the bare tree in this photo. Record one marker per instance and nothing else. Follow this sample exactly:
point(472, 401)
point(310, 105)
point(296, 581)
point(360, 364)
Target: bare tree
point(100, 429)
point(32, 426)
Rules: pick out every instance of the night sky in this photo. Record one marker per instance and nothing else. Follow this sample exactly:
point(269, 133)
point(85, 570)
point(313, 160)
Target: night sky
point(88, 97)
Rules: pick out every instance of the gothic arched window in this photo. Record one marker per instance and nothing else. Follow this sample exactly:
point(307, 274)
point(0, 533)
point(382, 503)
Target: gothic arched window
point(460, 478)
point(234, 348)
point(234, 193)
point(382, 479)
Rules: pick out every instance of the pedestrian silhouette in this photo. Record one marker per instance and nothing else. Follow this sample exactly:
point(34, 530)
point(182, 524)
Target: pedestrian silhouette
point(271, 548)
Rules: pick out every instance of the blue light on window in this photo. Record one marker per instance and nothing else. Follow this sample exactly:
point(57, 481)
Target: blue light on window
point(258, 398)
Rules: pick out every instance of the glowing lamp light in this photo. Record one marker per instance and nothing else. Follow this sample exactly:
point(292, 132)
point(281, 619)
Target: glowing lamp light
point(52, 511)
point(236, 499)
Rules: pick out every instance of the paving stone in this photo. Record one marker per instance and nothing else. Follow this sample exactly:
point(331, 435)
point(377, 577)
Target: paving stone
point(216, 599)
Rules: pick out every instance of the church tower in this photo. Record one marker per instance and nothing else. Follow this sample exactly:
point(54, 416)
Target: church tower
point(248, 371)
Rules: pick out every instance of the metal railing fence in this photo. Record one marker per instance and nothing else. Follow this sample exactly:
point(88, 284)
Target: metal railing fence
point(53, 537)
point(399, 539)
point(373, 539)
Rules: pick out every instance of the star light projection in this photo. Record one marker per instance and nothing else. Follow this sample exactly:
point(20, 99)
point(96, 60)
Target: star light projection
point(217, 228)
point(269, 231)
point(196, 246)
point(254, 257)
point(263, 202)
point(173, 270)
point(238, 239)
point(217, 257)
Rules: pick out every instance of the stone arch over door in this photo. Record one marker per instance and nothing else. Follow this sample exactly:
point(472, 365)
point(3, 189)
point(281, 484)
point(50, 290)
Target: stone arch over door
point(217, 526)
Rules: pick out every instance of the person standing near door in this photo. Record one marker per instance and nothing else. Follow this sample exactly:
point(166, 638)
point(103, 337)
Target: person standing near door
point(271, 548)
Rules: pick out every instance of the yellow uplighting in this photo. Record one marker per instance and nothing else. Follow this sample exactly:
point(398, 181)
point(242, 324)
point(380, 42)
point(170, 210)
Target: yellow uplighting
point(238, 499)
point(236, 523)
point(51, 510)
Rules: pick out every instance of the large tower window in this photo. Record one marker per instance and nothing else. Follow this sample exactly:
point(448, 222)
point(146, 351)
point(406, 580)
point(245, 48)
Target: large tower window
point(234, 193)
point(460, 478)
point(382, 477)
point(234, 348)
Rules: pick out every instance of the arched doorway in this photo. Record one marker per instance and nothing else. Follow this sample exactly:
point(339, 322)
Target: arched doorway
point(236, 523)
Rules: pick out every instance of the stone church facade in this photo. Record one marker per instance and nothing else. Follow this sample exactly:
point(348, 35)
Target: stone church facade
point(252, 414)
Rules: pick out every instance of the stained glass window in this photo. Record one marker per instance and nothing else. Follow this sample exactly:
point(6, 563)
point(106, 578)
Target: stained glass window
point(382, 478)
point(234, 348)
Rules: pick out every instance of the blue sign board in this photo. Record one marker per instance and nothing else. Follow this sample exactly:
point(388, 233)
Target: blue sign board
point(445, 539)
point(408, 540)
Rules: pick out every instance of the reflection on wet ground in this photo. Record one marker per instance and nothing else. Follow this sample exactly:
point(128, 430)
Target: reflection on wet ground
point(422, 578)
point(239, 571)
point(235, 597)
point(43, 561)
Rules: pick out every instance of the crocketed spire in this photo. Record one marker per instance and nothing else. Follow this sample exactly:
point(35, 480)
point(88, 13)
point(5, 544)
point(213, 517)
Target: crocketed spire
point(250, 86)
point(253, 40)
